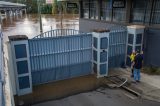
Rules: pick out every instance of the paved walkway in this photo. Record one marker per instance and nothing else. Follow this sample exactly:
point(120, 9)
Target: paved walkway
point(149, 85)
point(101, 97)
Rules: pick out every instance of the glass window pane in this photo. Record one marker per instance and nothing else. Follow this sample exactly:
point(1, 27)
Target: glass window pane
point(95, 55)
point(24, 82)
point(106, 10)
point(130, 38)
point(103, 56)
point(95, 40)
point(20, 51)
point(93, 9)
point(86, 9)
point(139, 39)
point(156, 13)
point(103, 69)
point(22, 67)
point(139, 10)
point(119, 14)
point(104, 43)
point(138, 48)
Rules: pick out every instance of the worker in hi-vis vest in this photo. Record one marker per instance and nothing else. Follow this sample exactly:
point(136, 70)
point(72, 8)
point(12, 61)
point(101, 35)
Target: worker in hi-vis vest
point(132, 56)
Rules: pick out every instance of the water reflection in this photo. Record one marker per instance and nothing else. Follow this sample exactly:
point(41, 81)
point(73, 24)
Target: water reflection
point(29, 24)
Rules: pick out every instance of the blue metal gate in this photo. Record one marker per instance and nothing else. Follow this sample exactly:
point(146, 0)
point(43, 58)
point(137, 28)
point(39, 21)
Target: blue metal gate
point(117, 48)
point(62, 54)
point(57, 56)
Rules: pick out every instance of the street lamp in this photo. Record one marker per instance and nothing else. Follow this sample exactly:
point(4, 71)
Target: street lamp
point(40, 17)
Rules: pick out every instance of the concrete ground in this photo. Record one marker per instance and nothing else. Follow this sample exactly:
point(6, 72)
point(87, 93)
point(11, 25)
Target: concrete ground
point(101, 97)
point(149, 89)
point(59, 89)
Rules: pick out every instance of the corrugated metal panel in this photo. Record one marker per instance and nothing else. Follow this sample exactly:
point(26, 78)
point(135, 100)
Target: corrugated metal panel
point(117, 48)
point(60, 58)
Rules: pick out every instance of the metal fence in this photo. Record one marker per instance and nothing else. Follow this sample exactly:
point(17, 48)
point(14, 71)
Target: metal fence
point(151, 47)
point(55, 57)
point(117, 46)
point(1, 71)
point(58, 33)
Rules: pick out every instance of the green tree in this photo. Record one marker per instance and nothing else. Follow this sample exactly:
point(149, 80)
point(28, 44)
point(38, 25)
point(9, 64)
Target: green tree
point(55, 7)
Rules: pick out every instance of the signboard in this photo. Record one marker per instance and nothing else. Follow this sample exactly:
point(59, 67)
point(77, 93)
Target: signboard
point(49, 1)
point(119, 3)
point(71, 5)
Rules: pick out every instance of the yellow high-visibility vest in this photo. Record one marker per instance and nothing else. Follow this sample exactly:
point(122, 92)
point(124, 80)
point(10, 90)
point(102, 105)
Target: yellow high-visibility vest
point(132, 56)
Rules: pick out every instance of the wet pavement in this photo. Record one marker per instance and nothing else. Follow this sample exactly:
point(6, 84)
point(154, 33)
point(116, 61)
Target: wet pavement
point(101, 97)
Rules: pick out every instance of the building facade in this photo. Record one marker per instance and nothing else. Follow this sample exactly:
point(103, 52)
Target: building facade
point(106, 13)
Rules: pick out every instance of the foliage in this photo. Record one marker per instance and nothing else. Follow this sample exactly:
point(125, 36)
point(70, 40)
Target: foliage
point(46, 9)
point(32, 6)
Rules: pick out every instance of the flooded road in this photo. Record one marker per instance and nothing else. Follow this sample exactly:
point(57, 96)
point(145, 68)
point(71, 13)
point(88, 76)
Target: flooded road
point(29, 24)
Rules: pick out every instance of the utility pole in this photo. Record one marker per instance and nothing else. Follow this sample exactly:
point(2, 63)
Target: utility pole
point(39, 13)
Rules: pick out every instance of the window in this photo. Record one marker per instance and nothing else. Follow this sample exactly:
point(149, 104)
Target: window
point(90, 9)
point(95, 43)
point(104, 43)
point(86, 9)
point(93, 9)
point(138, 48)
point(139, 39)
point(138, 11)
point(119, 14)
point(130, 38)
point(22, 67)
point(103, 69)
point(106, 10)
point(24, 82)
point(95, 55)
point(20, 51)
point(103, 56)
point(156, 13)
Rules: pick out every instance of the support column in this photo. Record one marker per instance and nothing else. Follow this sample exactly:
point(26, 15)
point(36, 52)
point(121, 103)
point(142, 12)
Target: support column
point(99, 5)
point(21, 63)
point(134, 40)
point(100, 52)
point(81, 9)
point(128, 10)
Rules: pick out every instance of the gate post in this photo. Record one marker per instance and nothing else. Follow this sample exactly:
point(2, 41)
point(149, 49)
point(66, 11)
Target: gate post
point(21, 64)
point(100, 52)
point(134, 40)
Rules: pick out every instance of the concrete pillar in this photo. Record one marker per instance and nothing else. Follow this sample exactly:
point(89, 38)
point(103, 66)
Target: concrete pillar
point(134, 40)
point(100, 52)
point(21, 63)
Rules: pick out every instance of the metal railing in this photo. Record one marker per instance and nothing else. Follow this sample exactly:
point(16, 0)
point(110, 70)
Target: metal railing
point(58, 33)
